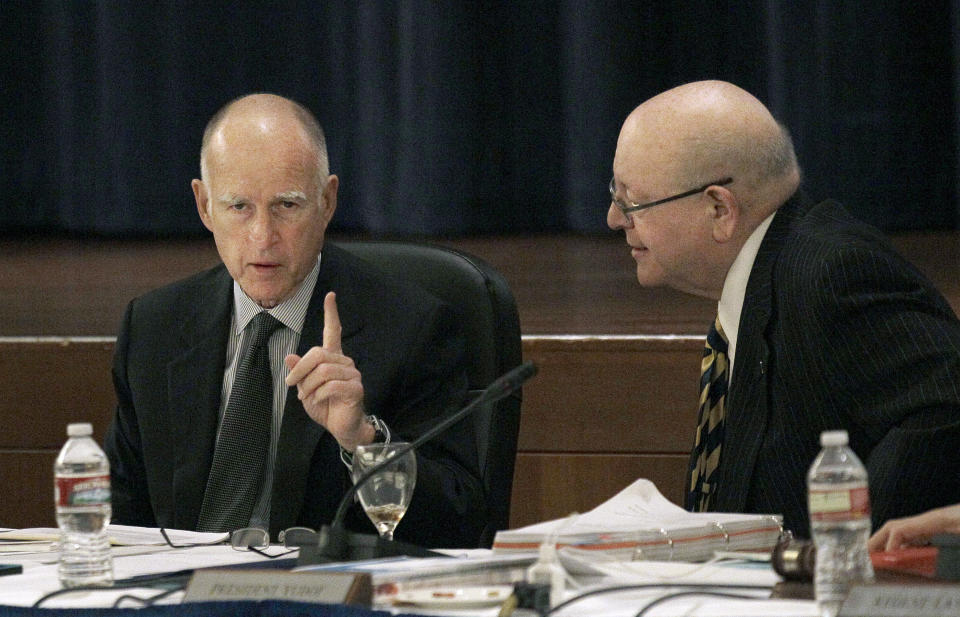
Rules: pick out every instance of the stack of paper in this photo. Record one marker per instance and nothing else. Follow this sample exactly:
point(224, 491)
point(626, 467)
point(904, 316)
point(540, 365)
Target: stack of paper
point(391, 576)
point(640, 523)
point(39, 539)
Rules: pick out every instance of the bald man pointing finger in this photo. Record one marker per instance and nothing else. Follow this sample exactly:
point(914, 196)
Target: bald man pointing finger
point(820, 324)
point(242, 391)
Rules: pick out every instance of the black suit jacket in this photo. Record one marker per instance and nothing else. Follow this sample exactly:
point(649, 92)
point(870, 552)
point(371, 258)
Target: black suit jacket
point(168, 371)
point(839, 332)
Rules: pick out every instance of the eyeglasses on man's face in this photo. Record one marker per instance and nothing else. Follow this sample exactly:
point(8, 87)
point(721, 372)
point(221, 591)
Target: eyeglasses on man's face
point(627, 208)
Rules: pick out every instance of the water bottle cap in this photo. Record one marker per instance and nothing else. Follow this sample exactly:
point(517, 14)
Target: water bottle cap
point(833, 438)
point(79, 429)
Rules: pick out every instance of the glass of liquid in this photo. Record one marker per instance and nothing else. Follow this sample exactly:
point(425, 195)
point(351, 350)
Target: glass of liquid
point(385, 495)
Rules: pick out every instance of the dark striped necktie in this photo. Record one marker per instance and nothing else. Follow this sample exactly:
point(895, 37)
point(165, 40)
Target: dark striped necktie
point(240, 457)
point(705, 457)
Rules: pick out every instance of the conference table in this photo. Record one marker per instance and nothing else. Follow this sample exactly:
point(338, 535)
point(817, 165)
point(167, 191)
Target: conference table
point(649, 581)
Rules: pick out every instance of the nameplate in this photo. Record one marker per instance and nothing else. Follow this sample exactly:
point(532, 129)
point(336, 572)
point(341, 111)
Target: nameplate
point(219, 585)
point(895, 600)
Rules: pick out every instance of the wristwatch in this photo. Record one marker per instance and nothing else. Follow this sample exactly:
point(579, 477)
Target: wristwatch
point(381, 432)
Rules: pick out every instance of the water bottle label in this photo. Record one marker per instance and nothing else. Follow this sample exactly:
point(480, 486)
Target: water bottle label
point(83, 491)
point(839, 504)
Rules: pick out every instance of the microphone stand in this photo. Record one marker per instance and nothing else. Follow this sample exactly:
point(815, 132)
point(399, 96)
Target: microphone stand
point(335, 543)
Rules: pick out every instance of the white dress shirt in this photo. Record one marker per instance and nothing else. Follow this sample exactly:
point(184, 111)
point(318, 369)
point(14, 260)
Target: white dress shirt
point(735, 287)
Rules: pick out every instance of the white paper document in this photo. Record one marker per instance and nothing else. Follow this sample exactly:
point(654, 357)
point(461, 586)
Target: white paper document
point(46, 539)
point(640, 523)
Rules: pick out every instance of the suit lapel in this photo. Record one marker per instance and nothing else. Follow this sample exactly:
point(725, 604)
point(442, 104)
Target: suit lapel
point(194, 383)
point(299, 434)
point(747, 411)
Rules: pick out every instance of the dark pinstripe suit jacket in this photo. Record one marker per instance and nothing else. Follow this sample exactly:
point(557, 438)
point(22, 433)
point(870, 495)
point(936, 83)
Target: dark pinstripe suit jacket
point(838, 331)
point(168, 371)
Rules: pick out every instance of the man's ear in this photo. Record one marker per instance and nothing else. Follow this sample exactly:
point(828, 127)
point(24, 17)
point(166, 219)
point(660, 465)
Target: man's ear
point(203, 202)
point(724, 211)
point(328, 199)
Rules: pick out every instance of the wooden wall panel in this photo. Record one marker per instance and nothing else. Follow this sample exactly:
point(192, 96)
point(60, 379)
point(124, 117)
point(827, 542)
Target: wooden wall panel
point(548, 486)
point(26, 488)
point(600, 413)
point(46, 384)
point(594, 394)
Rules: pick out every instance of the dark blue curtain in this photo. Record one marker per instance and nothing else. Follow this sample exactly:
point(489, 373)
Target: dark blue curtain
point(448, 118)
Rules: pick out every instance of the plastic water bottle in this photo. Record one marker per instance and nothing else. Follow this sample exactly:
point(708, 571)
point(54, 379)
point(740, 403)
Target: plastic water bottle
point(548, 571)
point(839, 503)
point(82, 498)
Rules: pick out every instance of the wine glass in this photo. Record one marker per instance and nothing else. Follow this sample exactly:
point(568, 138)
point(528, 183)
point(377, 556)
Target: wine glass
point(386, 495)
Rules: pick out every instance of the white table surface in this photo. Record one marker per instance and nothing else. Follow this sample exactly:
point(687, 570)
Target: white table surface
point(40, 577)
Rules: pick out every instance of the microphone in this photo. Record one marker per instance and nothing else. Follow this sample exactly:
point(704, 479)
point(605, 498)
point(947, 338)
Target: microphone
point(335, 543)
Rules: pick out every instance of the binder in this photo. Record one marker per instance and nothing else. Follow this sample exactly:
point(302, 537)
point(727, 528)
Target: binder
point(639, 523)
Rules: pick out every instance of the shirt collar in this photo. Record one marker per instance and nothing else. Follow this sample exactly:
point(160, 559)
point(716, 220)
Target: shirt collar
point(291, 312)
point(735, 287)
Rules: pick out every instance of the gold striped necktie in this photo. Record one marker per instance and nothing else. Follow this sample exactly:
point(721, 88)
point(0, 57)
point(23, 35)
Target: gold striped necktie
point(705, 457)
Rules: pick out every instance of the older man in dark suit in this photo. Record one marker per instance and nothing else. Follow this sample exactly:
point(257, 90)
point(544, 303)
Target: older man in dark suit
point(381, 359)
point(821, 325)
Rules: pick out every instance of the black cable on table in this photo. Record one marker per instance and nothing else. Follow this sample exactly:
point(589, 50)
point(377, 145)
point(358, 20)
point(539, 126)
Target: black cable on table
point(681, 594)
point(618, 588)
point(147, 601)
point(177, 579)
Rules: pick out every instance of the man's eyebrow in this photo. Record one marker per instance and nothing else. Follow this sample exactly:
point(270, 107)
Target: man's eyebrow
point(291, 196)
point(229, 198)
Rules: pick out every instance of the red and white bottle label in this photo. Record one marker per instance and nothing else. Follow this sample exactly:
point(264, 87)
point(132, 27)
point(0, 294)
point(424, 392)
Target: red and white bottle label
point(83, 490)
point(839, 504)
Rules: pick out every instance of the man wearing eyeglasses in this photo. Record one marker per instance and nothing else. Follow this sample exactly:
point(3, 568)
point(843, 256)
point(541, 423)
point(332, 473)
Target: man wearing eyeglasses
point(243, 390)
point(821, 325)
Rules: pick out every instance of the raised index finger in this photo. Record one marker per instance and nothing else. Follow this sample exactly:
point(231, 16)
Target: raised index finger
point(331, 323)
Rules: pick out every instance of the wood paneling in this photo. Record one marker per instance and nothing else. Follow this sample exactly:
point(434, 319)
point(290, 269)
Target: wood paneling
point(26, 488)
point(606, 407)
point(45, 385)
point(596, 394)
point(564, 284)
point(600, 413)
point(548, 486)
point(70, 287)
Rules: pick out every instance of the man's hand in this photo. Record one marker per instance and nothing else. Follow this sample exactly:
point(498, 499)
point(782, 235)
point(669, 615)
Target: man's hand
point(329, 384)
point(914, 530)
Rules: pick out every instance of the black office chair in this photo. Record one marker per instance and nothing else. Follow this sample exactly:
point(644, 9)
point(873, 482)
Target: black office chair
point(491, 325)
